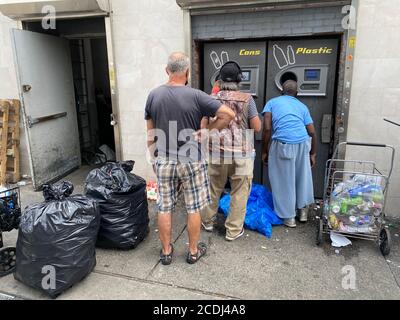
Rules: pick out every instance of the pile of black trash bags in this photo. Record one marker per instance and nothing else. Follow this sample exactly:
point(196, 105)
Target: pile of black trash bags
point(57, 237)
point(123, 205)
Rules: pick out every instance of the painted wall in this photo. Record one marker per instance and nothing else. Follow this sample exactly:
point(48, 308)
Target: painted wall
point(376, 86)
point(8, 81)
point(145, 32)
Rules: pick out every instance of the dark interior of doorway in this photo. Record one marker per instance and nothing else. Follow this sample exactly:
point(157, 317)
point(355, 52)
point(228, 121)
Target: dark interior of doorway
point(89, 58)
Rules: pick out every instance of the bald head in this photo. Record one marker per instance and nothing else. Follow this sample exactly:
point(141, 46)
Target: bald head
point(290, 88)
point(178, 62)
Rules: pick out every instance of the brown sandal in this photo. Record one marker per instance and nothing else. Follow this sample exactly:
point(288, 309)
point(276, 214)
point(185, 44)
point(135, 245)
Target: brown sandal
point(166, 259)
point(201, 251)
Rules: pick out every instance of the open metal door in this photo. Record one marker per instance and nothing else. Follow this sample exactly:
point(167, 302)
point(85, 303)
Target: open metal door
point(47, 90)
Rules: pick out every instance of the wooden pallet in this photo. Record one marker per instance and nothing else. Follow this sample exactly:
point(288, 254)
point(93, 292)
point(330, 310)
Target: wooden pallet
point(9, 141)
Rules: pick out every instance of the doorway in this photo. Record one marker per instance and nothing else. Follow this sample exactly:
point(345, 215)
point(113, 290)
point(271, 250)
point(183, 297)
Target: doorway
point(89, 58)
point(64, 76)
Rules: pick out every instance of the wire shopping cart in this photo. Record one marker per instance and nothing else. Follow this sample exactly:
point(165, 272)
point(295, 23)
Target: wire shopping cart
point(355, 194)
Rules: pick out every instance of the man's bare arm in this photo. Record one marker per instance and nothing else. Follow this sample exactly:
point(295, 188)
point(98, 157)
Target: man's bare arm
point(313, 152)
point(267, 134)
point(224, 116)
point(150, 132)
point(204, 123)
point(255, 124)
point(151, 138)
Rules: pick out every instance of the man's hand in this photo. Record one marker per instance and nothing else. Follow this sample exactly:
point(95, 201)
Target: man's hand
point(223, 116)
point(313, 160)
point(313, 152)
point(267, 133)
point(264, 158)
point(201, 135)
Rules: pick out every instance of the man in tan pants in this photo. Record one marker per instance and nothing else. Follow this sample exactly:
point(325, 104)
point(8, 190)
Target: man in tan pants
point(231, 153)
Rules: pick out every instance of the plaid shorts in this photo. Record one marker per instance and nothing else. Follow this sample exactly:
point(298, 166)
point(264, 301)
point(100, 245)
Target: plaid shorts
point(192, 177)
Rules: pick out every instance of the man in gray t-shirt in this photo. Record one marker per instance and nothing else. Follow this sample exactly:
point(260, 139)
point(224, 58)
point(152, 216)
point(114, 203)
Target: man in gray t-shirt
point(177, 111)
point(173, 114)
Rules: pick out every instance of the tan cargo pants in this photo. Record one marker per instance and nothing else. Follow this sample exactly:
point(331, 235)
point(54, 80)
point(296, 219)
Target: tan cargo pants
point(240, 174)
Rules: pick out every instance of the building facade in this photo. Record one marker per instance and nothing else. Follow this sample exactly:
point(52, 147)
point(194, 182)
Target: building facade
point(350, 81)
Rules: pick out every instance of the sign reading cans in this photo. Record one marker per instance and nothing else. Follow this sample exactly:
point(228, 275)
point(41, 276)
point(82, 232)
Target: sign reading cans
point(301, 50)
point(245, 52)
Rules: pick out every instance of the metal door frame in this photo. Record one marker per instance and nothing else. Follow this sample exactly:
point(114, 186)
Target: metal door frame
point(344, 71)
point(113, 86)
point(21, 97)
point(112, 77)
point(337, 107)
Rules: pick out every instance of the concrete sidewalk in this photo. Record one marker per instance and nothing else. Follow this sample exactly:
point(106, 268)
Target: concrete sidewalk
point(287, 266)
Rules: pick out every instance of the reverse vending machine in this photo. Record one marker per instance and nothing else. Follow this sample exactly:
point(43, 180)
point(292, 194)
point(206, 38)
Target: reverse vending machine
point(312, 63)
point(251, 56)
point(266, 66)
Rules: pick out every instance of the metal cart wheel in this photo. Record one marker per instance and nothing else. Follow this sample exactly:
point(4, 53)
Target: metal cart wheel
point(320, 232)
point(385, 241)
point(7, 261)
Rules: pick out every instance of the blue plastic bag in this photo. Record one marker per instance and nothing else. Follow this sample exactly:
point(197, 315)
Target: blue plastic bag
point(260, 215)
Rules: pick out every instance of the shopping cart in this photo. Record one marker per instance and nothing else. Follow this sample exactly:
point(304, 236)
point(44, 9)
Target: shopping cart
point(10, 215)
point(355, 194)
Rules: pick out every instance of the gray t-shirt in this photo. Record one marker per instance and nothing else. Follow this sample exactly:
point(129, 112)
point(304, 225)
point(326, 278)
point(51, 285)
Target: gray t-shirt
point(177, 112)
point(252, 109)
point(253, 112)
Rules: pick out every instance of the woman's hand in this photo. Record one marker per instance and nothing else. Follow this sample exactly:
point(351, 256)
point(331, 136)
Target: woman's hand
point(264, 158)
point(313, 160)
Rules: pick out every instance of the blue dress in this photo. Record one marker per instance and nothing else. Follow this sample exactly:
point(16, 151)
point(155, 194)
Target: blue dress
point(289, 167)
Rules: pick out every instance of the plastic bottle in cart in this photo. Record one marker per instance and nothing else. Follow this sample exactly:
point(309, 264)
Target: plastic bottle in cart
point(365, 189)
point(335, 208)
point(339, 188)
point(344, 207)
point(11, 205)
point(326, 206)
point(377, 197)
point(4, 192)
point(352, 201)
point(334, 222)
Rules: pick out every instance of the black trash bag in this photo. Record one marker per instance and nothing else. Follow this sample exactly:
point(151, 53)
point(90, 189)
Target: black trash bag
point(123, 205)
point(58, 191)
point(56, 240)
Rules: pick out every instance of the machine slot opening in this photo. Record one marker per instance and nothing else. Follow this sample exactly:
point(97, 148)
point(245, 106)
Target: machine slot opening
point(288, 76)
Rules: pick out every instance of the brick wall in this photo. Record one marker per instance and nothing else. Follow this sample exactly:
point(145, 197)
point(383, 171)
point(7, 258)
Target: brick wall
point(268, 23)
